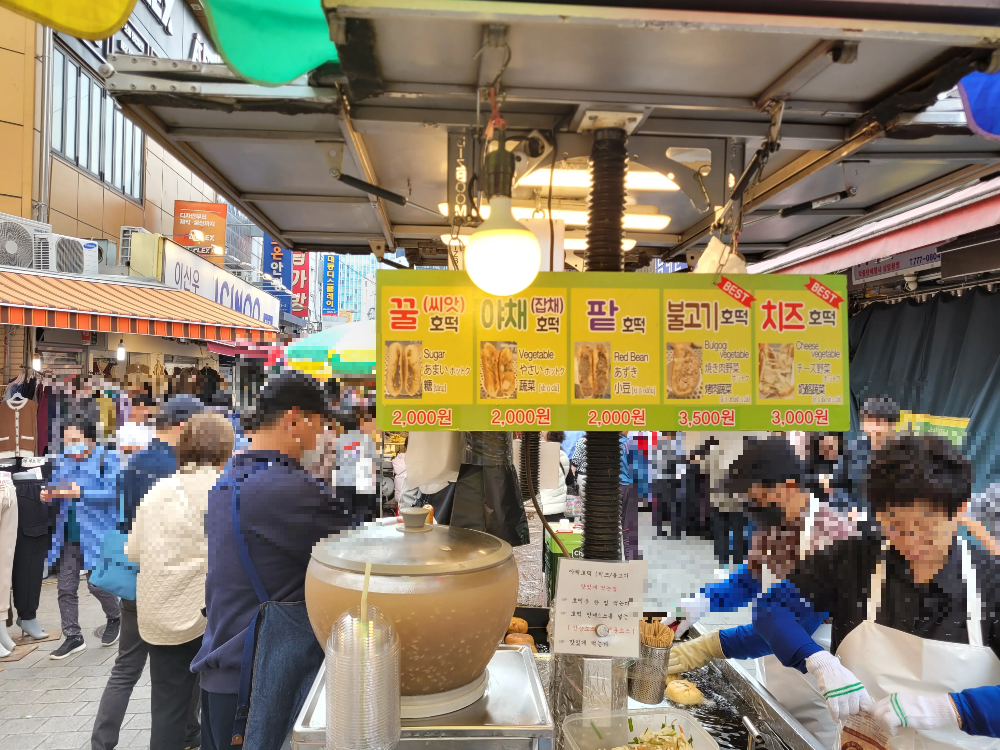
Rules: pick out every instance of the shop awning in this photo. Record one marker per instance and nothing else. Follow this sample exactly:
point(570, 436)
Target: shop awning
point(966, 211)
point(59, 301)
point(246, 352)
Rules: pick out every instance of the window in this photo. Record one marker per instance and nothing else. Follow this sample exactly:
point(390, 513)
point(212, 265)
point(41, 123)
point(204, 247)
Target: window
point(89, 129)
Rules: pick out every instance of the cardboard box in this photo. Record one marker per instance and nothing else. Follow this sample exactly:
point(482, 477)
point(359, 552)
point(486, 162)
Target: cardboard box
point(552, 553)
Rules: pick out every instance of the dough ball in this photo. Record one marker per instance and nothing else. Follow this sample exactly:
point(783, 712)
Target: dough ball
point(684, 692)
point(521, 639)
point(518, 625)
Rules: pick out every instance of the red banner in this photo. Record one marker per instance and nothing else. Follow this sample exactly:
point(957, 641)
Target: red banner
point(824, 292)
point(735, 291)
point(300, 285)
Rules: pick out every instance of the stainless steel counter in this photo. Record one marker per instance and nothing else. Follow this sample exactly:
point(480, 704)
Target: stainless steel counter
point(513, 715)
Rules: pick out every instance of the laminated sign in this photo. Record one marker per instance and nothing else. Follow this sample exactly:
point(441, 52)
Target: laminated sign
point(612, 351)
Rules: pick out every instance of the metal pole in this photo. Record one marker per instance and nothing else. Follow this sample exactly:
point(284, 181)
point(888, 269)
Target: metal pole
point(45, 167)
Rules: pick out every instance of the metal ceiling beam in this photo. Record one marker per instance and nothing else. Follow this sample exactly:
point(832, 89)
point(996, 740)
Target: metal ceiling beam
point(806, 165)
point(822, 212)
point(820, 134)
point(968, 157)
point(809, 66)
point(284, 198)
point(333, 237)
point(356, 145)
point(596, 99)
point(937, 24)
point(146, 84)
point(202, 134)
point(362, 113)
point(153, 127)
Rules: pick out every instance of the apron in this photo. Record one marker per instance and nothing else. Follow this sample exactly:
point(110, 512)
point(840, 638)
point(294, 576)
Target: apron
point(889, 661)
point(796, 692)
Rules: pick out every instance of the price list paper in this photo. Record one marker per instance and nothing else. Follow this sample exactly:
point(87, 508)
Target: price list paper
point(613, 351)
point(598, 607)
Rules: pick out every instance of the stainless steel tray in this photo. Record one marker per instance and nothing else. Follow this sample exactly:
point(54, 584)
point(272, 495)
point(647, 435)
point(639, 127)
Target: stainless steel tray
point(512, 715)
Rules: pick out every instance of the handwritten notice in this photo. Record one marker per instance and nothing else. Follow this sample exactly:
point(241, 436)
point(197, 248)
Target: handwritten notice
point(598, 607)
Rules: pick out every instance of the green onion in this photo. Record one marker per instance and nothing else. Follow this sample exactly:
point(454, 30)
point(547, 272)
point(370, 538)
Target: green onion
point(592, 724)
point(691, 741)
point(630, 726)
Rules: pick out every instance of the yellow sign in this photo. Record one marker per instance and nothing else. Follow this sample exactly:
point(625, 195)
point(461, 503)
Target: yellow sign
point(613, 351)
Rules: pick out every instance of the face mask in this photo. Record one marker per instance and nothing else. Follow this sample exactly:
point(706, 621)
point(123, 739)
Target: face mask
point(76, 450)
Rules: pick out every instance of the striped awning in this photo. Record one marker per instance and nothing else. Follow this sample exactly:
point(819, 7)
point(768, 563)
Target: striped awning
point(57, 301)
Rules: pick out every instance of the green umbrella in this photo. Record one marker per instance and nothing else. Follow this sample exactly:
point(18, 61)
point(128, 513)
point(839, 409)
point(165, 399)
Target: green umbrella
point(348, 349)
point(270, 42)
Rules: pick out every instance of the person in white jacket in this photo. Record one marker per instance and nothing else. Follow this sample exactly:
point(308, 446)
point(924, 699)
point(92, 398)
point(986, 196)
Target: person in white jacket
point(553, 501)
point(168, 542)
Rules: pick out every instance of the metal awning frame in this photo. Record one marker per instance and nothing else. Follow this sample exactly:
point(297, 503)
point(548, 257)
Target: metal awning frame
point(135, 80)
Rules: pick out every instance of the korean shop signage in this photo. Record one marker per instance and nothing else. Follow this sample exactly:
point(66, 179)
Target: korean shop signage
point(613, 351)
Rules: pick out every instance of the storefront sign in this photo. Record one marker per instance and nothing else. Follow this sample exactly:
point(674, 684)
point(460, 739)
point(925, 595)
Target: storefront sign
point(613, 351)
point(909, 262)
point(331, 277)
point(278, 263)
point(300, 285)
point(207, 218)
point(598, 607)
point(183, 269)
point(460, 163)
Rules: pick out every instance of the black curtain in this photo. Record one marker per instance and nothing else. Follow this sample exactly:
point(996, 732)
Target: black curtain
point(940, 357)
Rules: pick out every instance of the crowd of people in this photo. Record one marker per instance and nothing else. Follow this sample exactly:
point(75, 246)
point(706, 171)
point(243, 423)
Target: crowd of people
point(174, 590)
point(195, 525)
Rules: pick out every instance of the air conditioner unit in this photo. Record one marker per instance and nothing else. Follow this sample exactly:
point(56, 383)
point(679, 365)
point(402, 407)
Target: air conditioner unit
point(107, 254)
point(61, 254)
point(125, 247)
point(17, 240)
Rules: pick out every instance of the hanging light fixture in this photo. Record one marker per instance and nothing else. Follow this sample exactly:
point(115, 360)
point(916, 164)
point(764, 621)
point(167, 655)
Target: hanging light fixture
point(121, 350)
point(36, 363)
point(502, 256)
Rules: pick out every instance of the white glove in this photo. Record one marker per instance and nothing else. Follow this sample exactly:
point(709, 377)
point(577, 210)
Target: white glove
point(917, 711)
point(844, 693)
point(691, 610)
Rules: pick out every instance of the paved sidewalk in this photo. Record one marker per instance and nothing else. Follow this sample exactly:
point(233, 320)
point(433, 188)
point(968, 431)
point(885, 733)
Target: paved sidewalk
point(50, 705)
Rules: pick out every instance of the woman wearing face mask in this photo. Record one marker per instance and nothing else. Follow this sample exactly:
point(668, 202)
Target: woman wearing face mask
point(84, 483)
point(169, 545)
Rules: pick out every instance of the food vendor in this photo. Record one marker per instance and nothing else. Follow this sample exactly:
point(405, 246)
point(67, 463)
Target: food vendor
point(792, 523)
point(917, 596)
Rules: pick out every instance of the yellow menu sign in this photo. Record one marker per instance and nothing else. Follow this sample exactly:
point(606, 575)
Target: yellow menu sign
point(613, 351)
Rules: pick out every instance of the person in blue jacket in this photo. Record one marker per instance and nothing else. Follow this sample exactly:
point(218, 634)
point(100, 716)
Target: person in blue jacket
point(916, 640)
point(84, 483)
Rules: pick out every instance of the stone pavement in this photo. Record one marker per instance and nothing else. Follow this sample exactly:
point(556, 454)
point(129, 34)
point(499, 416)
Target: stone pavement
point(50, 705)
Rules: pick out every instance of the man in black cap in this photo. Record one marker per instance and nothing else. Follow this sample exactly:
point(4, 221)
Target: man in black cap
point(283, 511)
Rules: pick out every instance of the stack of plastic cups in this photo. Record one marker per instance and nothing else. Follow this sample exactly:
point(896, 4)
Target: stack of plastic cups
point(362, 682)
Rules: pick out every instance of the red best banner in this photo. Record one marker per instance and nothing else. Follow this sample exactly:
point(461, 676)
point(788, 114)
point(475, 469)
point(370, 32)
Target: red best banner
point(735, 291)
point(824, 292)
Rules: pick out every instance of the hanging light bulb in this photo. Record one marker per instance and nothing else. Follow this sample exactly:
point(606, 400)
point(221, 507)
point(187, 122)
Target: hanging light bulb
point(121, 350)
point(501, 256)
point(36, 363)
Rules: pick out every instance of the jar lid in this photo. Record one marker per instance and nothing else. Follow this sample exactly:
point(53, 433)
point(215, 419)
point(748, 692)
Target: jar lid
point(414, 549)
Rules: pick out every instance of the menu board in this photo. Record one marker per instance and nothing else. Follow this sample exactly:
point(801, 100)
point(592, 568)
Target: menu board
point(598, 607)
point(613, 351)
